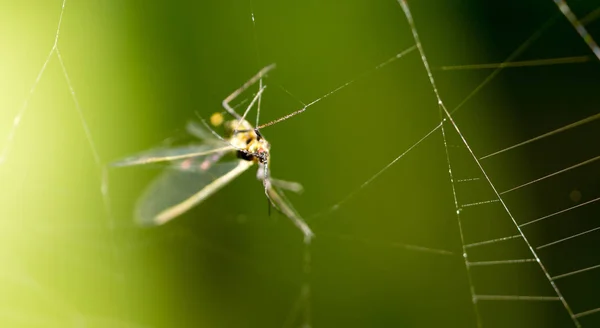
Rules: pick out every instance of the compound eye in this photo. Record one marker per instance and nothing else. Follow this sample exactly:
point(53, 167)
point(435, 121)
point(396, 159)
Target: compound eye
point(244, 155)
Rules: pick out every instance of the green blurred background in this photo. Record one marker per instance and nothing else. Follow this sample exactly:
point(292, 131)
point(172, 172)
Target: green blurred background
point(141, 69)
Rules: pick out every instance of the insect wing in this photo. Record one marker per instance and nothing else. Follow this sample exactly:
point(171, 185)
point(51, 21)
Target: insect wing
point(284, 206)
point(200, 132)
point(174, 153)
point(177, 190)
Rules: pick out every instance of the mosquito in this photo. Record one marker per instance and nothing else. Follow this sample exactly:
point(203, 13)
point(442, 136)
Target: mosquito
point(197, 171)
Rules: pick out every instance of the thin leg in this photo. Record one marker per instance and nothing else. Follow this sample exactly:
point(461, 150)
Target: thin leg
point(266, 181)
point(248, 109)
point(279, 202)
point(260, 86)
point(282, 205)
point(287, 185)
point(241, 89)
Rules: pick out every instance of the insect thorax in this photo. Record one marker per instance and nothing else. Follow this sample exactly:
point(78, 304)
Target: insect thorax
point(243, 136)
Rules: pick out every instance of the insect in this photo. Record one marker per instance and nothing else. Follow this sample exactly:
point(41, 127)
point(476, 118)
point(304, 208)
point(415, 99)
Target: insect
point(197, 171)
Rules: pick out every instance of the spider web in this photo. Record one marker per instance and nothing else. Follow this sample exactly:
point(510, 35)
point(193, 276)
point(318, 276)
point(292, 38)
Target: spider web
point(443, 193)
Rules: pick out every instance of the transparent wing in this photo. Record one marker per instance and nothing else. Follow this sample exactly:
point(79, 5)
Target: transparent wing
point(200, 132)
point(177, 190)
point(174, 153)
point(284, 206)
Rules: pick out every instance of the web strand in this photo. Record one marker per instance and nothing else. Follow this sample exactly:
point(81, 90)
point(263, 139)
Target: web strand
point(515, 298)
point(509, 61)
point(560, 212)
point(566, 11)
point(337, 205)
point(569, 238)
point(408, 14)
point(17, 119)
point(101, 169)
point(572, 273)
point(415, 35)
point(523, 63)
point(388, 244)
point(572, 167)
point(301, 110)
point(545, 135)
point(492, 241)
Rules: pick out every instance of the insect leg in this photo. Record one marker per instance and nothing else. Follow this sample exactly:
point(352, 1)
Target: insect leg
point(248, 109)
point(241, 89)
point(288, 185)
